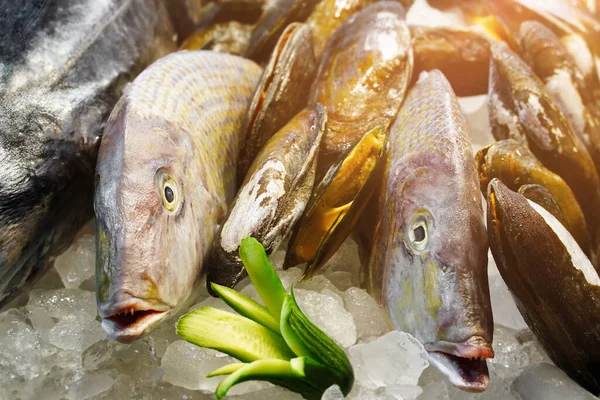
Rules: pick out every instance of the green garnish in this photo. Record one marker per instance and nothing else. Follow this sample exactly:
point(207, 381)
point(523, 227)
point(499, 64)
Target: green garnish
point(276, 343)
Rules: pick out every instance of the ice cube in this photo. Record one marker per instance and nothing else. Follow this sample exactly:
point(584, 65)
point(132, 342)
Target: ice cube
point(138, 360)
point(503, 306)
point(75, 334)
point(289, 277)
point(64, 303)
point(163, 336)
point(475, 110)
point(318, 283)
point(396, 358)
point(278, 257)
point(100, 354)
point(509, 357)
point(341, 279)
point(142, 390)
point(77, 264)
point(546, 382)
point(187, 365)
point(20, 355)
point(333, 393)
point(326, 310)
point(271, 393)
point(534, 350)
point(345, 259)
point(369, 318)
point(91, 385)
point(403, 392)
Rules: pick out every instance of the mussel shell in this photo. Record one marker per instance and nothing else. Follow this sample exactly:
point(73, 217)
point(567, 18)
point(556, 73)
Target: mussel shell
point(327, 16)
point(542, 196)
point(453, 51)
point(362, 77)
point(552, 294)
point(515, 166)
point(273, 22)
point(230, 37)
point(281, 93)
point(273, 195)
point(550, 60)
point(346, 190)
point(524, 102)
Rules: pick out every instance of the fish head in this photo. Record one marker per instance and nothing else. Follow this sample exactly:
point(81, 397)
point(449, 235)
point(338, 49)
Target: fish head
point(437, 286)
point(146, 218)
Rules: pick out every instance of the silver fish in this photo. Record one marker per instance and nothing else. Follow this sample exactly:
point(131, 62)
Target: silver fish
point(63, 66)
point(166, 176)
point(428, 262)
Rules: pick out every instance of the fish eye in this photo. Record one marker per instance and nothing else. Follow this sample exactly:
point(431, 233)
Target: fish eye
point(418, 233)
point(169, 191)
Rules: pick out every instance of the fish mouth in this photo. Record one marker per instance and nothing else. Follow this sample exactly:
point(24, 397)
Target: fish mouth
point(129, 320)
point(463, 363)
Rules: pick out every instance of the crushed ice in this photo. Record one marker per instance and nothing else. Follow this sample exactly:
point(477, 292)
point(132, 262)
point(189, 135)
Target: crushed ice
point(53, 345)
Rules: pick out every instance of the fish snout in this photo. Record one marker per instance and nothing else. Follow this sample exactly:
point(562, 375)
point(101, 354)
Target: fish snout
point(129, 317)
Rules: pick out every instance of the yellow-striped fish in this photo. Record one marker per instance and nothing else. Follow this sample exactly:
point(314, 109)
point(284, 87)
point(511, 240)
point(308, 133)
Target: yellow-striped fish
point(429, 254)
point(165, 177)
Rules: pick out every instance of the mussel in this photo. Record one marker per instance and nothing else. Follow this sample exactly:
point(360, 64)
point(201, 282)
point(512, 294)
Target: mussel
point(554, 285)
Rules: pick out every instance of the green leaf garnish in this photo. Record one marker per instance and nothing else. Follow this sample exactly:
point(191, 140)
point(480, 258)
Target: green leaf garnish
point(276, 343)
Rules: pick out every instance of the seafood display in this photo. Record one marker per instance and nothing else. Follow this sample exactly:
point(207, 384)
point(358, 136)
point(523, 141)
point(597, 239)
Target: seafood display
point(185, 112)
point(63, 66)
point(305, 127)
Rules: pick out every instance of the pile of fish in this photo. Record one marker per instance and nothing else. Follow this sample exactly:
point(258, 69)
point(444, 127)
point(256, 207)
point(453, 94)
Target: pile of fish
point(314, 121)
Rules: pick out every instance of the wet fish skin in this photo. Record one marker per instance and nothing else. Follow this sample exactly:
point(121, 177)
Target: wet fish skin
point(166, 176)
point(64, 65)
point(554, 285)
point(428, 261)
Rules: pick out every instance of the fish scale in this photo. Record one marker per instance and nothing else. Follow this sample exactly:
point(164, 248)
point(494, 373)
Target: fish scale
point(432, 122)
point(177, 90)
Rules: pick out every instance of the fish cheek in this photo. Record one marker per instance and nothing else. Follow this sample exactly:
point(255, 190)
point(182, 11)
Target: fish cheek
point(103, 268)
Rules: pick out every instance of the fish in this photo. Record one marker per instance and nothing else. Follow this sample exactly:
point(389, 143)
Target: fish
point(428, 260)
point(64, 65)
point(554, 285)
point(165, 178)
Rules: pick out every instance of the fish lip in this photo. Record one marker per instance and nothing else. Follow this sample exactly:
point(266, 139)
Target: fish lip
point(131, 319)
point(475, 347)
point(464, 364)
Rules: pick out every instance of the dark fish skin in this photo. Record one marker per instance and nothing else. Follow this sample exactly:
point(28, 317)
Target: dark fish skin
point(554, 286)
point(64, 65)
